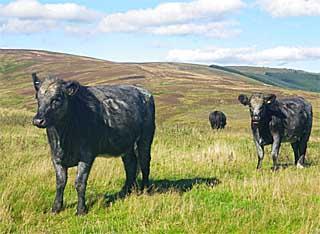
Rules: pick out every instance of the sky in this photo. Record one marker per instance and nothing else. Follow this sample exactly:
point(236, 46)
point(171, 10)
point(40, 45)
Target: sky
point(273, 33)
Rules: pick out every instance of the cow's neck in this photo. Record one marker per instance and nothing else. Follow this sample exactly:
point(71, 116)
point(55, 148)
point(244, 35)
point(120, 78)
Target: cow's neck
point(275, 110)
point(82, 111)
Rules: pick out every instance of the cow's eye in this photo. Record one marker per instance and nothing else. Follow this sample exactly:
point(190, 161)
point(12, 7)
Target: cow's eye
point(55, 103)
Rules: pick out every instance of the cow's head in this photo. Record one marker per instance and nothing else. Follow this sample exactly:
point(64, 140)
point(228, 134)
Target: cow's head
point(258, 104)
point(53, 97)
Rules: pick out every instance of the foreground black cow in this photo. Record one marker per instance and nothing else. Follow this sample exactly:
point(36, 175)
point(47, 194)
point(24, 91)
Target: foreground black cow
point(217, 120)
point(84, 122)
point(275, 121)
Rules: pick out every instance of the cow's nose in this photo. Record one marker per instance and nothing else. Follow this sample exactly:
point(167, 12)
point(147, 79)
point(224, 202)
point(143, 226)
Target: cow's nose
point(41, 123)
point(256, 118)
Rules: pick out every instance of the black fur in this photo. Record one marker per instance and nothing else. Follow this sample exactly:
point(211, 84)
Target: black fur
point(218, 120)
point(275, 121)
point(84, 122)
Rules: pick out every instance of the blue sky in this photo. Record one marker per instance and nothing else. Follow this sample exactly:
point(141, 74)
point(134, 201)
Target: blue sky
point(278, 33)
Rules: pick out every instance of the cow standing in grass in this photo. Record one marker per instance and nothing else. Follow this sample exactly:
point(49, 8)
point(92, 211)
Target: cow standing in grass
point(83, 122)
point(275, 121)
point(218, 120)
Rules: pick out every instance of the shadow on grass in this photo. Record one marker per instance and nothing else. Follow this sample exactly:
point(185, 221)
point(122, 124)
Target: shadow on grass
point(156, 187)
point(282, 166)
point(164, 186)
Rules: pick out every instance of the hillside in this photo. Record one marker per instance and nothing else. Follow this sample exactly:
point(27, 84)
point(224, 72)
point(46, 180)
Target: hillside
point(203, 181)
point(178, 86)
point(285, 78)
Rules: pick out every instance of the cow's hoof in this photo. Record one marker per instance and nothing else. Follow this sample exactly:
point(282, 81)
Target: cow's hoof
point(275, 168)
point(82, 211)
point(300, 166)
point(56, 209)
point(123, 193)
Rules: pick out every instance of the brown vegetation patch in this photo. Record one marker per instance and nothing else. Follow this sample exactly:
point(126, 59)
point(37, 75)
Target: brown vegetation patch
point(169, 99)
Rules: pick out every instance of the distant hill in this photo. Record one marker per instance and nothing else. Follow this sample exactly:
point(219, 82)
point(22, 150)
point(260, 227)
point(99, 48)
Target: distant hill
point(170, 82)
point(285, 78)
point(182, 91)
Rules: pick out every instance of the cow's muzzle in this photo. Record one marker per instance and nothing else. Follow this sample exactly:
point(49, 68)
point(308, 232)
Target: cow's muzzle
point(39, 122)
point(255, 119)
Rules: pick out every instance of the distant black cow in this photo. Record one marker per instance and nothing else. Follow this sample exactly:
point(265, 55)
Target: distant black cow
point(274, 121)
point(83, 122)
point(217, 120)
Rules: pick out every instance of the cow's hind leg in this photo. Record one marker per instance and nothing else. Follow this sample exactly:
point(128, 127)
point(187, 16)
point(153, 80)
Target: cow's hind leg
point(144, 155)
point(302, 154)
point(295, 147)
point(144, 152)
point(130, 166)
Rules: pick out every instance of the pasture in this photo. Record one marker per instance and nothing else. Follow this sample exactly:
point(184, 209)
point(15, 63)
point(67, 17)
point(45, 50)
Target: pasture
point(204, 181)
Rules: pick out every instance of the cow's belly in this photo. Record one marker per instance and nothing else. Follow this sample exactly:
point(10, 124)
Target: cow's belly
point(265, 141)
point(106, 155)
point(113, 147)
point(284, 139)
point(290, 139)
point(265, 138)
point(70, 160)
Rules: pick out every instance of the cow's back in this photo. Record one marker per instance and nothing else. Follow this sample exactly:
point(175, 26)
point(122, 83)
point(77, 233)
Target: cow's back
point(296, 119)
point(122, 112)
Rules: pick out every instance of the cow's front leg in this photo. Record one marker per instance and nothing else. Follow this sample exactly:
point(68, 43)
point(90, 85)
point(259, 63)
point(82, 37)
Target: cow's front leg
point(275, 151)
point(260, 152)
point(61, 181)
point(81, 184)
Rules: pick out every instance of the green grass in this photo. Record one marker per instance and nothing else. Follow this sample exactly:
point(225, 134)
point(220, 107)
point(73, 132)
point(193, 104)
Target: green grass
point(204, 181)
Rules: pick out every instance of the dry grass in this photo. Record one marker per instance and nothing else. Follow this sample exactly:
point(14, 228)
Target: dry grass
point(204, 181)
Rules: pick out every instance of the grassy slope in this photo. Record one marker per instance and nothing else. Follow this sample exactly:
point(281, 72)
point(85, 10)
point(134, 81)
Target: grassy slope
point(188, 158)
point(285, 78)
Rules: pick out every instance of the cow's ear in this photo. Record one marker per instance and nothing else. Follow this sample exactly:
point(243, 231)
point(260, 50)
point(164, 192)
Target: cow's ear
point(269, 99)
point(36, 81)
point(71, 87)
point(243, 99)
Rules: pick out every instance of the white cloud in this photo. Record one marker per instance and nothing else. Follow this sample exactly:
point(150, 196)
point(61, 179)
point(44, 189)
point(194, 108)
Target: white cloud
point(249, 55)
point(33, 9)
point(26, 26)
point(197, 17)
point(215, 29)
point(31, 16)
point(175, 18)
point(286, 8)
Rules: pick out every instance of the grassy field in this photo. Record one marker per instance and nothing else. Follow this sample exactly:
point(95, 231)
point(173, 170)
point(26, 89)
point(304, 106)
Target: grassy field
point(203, 181)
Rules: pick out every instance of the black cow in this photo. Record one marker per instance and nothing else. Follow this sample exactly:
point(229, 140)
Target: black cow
point(218, 120)
point(275, 121)
point(83, 122)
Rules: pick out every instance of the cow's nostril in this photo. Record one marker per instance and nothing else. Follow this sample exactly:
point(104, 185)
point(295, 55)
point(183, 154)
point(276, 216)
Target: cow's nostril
point(256, 117)
point(39, 122)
